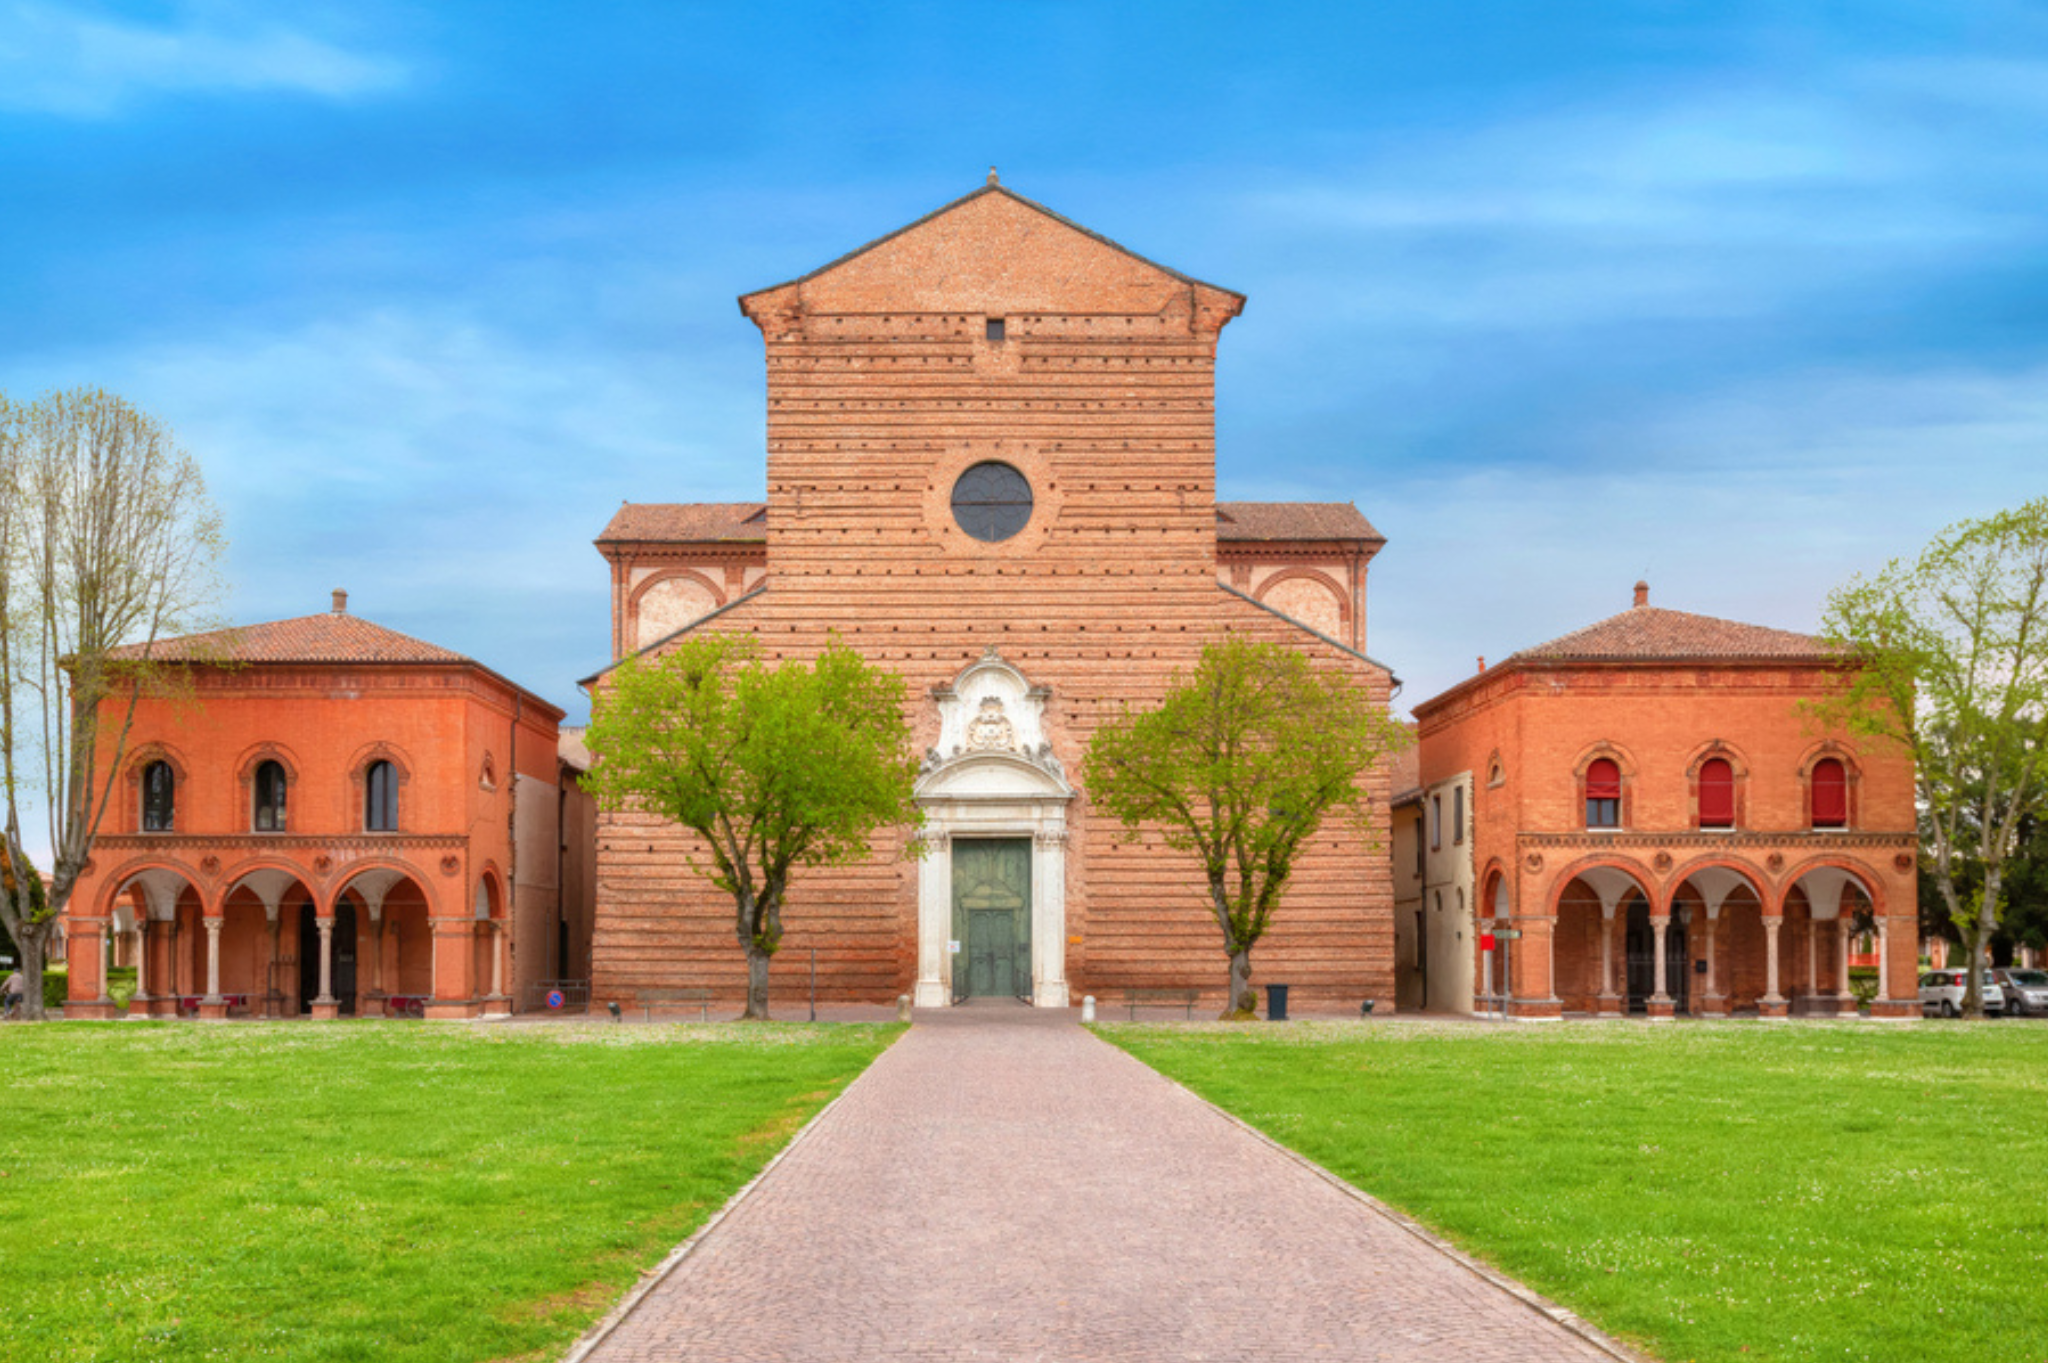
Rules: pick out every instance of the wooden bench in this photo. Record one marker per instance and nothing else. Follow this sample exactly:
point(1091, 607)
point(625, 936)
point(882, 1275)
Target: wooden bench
point(1146, 998)
point(650, 999)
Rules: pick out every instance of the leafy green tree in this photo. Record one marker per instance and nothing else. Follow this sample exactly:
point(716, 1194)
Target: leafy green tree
point(1952, 665)
point(107, 538)
point(1240, 764)
point(773, 766)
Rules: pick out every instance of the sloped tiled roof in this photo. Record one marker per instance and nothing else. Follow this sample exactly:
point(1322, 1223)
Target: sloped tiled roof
point(992, 187)
point(331, 637)
point(1241, 521)
point(687, 522)
point(1651, 633)
point(747, 522)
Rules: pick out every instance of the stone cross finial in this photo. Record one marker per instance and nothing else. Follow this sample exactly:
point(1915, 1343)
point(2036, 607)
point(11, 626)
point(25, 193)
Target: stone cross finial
point(992, 176)
point(340, 601)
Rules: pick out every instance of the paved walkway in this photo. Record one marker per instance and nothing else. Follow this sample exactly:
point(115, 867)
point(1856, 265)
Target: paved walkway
point(1001, 1185)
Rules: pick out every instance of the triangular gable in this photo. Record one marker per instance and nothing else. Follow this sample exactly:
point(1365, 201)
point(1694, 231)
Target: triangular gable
point(993, 251)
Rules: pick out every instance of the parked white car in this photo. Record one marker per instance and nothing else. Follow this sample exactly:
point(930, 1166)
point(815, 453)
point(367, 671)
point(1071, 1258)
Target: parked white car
point(1941, 991)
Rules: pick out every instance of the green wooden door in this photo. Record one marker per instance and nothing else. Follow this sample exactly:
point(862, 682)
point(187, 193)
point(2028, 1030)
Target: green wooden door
point(992, 918)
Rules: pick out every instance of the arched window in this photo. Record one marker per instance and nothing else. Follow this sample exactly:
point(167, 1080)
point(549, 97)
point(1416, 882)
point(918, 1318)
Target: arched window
point(1830, 794)
point(159, 797)
point(270, 790)
point(380, 798)
point(1603, 794)
point(1717, 793)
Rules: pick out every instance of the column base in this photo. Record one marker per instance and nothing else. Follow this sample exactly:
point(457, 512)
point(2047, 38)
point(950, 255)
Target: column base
point(1714, 1005)
point(327, 1010)
point(929, 994)
point(213, 1010)
point(1774, 1008)
point(92, 1010)
point(1609, 1006)
point(452, 1010)
point(1050, 995)
point(1845, 1006)
point(497, 1005)
point(1537, 1010)
point(1662, 1009)
point(370, 1006)
point(1895, 1010)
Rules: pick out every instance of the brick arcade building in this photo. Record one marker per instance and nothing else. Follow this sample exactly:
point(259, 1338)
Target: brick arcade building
point(340, 820)
point(1648, 804)
point(991, 467)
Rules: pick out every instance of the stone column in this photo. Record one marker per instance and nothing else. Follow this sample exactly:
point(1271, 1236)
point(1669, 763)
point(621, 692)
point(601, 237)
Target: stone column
point(138, 1002)
point(273, 997)
point(107, 962)
point(1713, 999)
point(325, 1005)
point(1661, 1005)
point(1049, 918)
point(934, 922)
point(212, 1005)
point(1846, 993)
point(1610, 999)
point(1772, 1005)
point(1534, 966)
point(498, 1006)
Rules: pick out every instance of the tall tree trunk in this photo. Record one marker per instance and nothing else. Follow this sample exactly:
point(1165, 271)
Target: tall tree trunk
point(757, 984)
point(1239, 1007)
point(33, 939)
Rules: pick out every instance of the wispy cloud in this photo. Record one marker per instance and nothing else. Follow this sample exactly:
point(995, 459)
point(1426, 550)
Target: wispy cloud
point(62, 60)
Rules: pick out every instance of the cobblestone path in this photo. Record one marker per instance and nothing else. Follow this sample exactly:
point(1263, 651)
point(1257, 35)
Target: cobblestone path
point(1002, 1185)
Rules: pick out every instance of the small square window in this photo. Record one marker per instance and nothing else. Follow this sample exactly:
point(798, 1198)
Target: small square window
point(995, 328)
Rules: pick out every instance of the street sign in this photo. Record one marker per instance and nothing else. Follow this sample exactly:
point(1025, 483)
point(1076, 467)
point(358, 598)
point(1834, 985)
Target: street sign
point(1508, 934)
point(555, 999)
point(1486, 941)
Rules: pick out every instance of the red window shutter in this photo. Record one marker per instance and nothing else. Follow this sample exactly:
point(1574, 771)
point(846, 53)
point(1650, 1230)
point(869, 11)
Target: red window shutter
point(1717, 794)
point(1603, 780)
point(1830, 794)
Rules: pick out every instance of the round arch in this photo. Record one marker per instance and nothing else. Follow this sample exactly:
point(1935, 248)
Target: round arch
point(1322, 579)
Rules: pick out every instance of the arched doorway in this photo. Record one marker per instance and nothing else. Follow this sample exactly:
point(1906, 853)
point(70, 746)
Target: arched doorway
point(1591, 965)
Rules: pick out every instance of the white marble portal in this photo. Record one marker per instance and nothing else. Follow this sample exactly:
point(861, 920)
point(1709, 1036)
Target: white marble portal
point(992, 774)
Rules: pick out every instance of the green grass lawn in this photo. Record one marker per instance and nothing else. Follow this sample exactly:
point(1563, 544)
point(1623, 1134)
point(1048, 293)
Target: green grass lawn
point(1733, 1191)
point(374, 1191)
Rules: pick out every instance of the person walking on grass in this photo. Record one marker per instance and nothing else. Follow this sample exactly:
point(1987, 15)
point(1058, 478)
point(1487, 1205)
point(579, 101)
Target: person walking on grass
point(10, 995)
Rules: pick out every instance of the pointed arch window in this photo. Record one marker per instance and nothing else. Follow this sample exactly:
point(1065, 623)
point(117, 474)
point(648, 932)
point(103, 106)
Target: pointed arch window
point(1830, 794)
point(270, 797)
point(1717, 793)
point(380, 798)
point(1603, 793)
point(159, 797)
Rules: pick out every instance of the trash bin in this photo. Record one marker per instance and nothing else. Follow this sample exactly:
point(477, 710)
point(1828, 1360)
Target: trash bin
point(1276, 1003)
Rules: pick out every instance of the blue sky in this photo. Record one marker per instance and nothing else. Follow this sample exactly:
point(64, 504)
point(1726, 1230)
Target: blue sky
point(1741, 298)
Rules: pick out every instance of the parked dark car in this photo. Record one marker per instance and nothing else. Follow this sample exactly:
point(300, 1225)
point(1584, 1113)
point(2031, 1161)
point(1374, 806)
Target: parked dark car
point(2026, 991)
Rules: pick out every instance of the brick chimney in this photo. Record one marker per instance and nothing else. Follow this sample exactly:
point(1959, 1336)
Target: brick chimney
point(1482, 662)
point(1642, 593)
point(341, 602)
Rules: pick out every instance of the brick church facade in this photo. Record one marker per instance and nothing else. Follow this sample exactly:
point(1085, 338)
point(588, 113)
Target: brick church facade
point(991, 468)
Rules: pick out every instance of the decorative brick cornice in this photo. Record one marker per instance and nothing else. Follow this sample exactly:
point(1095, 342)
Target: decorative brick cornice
point(1694, 840)
point(280, 842)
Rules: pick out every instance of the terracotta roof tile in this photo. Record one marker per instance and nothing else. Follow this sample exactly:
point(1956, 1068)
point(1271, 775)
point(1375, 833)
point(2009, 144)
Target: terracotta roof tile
point(687, 522)
point(1650, 633)
point(747, 522)
point(1240, 521)
point(332, 637)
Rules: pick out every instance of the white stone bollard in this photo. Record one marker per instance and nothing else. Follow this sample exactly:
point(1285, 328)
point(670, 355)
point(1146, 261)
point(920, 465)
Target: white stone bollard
point(903, 1007)
point(1087, 1008)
